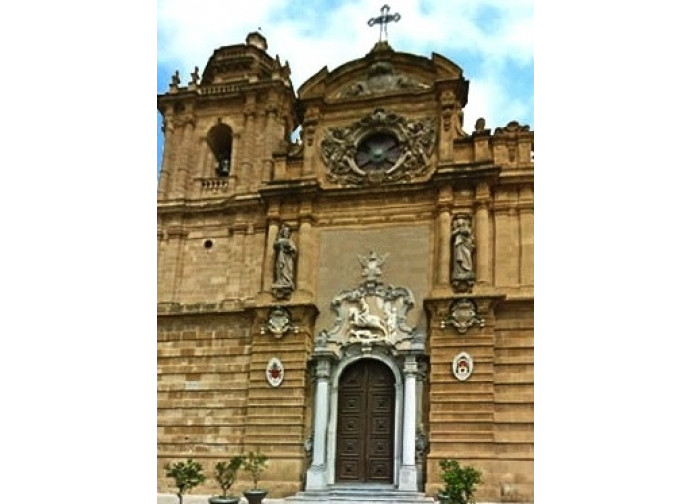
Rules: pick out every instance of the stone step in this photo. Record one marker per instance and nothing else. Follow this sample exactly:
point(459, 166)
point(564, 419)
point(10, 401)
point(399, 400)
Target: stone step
point(359, 496)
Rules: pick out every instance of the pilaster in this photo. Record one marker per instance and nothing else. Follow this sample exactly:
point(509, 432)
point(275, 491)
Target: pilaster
point(482, 227)
point(461, 413)
point(168, 158)
point(276, 421)
point(182, 172)
point(308, 255)
point(272, 218)
point(443, 209)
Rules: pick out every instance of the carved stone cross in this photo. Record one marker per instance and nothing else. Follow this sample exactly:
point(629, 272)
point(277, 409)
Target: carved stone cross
point(383, 20)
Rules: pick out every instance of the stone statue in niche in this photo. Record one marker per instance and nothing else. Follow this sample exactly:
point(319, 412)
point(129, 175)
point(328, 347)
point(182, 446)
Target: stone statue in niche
point(286, 252)
point(463, 275)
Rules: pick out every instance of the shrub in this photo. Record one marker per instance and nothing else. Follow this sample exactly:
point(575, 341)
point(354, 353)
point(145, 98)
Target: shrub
point(187, 475)
point(255, 463)
point(226, 473)
point(460, 482)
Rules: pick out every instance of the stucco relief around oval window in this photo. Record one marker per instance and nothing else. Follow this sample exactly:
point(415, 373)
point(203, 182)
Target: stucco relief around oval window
point(380, 148)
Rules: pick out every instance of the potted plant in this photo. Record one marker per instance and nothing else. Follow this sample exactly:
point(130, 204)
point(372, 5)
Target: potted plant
point(225, 475)
point(187, 475)
point(460, 482)
point(255, 463)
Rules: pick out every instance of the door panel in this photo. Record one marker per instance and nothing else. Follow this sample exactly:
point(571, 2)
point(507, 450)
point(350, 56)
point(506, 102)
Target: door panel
point(366, 398)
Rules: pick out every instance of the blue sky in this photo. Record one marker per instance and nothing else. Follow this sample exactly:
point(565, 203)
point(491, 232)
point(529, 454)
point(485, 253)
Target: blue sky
point(491, 40)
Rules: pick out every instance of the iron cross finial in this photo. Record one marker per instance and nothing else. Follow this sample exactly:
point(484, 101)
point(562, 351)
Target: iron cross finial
point(383, 20)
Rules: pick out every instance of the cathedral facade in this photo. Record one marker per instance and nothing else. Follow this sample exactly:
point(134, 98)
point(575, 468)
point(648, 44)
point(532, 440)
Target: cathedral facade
point(357, 304)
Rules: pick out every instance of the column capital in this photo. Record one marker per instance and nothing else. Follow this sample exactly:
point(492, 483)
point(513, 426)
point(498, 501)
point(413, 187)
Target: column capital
point(323, 369)
point(445, 197)
point(482, 204)
point(410, 367)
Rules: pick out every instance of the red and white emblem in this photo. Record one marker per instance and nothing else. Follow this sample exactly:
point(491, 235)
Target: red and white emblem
point(462, 366)
point(275, 372)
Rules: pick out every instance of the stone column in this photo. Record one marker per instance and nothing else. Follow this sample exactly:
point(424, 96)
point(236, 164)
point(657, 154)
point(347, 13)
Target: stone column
point(482, 232)
point(408, 471)
point(316, 474)
point(445, 199)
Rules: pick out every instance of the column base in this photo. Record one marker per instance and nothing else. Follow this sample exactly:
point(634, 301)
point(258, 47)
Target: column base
point(316, 478)
point(408, 479)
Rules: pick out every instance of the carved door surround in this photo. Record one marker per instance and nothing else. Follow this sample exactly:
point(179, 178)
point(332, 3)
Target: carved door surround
point(366, 371)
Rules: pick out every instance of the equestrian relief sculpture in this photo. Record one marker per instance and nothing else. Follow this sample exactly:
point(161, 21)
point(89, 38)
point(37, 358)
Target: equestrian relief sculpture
point(372, 314)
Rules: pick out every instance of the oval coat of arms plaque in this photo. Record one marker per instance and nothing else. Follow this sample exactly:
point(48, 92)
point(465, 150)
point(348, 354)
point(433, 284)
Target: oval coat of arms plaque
point(275, 372)
point(462, 366)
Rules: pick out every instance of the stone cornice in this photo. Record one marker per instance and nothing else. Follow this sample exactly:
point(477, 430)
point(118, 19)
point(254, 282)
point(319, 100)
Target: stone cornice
point(520, 176)
point(292, 187)
point(234, 202)
point(462, 172)
point(221, 307)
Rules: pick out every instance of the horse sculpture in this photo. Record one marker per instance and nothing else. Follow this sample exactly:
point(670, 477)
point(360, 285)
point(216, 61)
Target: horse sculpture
point(365, 325)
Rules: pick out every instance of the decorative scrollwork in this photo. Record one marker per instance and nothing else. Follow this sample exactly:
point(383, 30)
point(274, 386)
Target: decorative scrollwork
point(378, 149)
point(279, 322)
point(463, 316)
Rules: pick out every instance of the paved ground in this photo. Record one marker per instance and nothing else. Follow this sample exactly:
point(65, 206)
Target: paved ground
point(203, 499)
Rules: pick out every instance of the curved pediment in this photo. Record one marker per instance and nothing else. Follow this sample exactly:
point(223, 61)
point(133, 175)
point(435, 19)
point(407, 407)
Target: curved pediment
point(382, 71)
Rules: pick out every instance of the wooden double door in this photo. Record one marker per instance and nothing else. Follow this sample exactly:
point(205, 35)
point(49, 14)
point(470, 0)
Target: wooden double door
point(365, 429)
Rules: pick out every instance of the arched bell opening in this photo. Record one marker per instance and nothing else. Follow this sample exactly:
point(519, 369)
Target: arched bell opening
point(220, 142)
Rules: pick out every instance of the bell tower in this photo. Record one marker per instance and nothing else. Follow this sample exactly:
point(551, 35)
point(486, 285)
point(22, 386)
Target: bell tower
point(221, 128)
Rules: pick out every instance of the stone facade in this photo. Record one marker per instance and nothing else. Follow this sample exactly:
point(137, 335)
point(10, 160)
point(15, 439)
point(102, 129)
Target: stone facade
point(383, 166)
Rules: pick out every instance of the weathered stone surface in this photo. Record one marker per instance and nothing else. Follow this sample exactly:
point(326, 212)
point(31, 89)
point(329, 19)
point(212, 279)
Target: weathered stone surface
point(218, 323)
